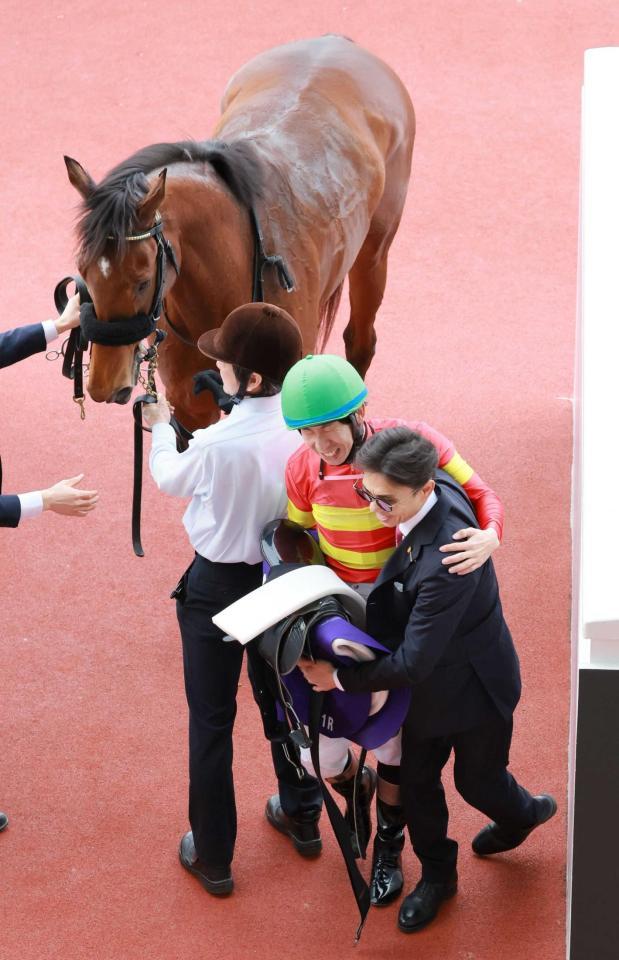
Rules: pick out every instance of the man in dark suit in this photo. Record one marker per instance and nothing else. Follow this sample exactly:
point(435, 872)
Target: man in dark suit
point(16, 345)
point(451, 645)
point(62, 497)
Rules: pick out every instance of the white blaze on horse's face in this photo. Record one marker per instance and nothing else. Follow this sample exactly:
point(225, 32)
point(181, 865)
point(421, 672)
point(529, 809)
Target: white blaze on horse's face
point(105, 267)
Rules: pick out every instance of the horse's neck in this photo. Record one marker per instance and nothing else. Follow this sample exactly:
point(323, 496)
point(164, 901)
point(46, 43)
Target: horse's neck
point(213, 234)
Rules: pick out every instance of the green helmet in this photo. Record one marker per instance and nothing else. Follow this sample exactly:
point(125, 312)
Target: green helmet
point(320, 389)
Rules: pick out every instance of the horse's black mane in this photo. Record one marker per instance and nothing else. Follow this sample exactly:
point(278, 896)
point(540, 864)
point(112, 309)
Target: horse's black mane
point(111, 207)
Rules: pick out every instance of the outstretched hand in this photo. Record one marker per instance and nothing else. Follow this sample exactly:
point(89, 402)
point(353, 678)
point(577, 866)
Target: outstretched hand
point(67, 499)
point(472, 550)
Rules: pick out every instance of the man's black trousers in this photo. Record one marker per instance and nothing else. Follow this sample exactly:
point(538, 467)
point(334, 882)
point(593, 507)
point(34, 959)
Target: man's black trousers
point(481, 756)
point(212, 668)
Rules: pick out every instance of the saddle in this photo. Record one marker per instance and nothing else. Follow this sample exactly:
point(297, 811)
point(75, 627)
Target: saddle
point(305, 610)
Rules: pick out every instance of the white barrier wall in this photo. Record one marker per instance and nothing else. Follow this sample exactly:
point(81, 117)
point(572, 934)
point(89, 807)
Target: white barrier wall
point(593, 839)
point(600, 358)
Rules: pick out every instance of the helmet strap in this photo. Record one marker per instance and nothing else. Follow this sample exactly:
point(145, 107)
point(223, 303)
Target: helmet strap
point(359, 432)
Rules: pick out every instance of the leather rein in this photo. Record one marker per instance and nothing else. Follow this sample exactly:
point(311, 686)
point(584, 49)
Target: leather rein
point(127, 331)
point(295, 630)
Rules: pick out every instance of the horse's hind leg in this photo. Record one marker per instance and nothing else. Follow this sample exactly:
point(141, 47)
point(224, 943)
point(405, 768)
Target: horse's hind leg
point(368, 274)
point(366, 285)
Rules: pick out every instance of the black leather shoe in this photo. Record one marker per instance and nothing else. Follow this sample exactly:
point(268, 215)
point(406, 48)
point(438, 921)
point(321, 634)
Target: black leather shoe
point(420, 907)
point(386, 882)
point(305, 834)
point(494, 839)
point(217, 880)
point(4, 821)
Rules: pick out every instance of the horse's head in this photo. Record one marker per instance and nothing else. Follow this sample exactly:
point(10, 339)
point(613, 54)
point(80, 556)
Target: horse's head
point(119, 244)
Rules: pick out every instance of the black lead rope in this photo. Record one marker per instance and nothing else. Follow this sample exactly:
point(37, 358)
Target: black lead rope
point(183, 436)
point(360, 889)
point(138, 459)
point(72, 364)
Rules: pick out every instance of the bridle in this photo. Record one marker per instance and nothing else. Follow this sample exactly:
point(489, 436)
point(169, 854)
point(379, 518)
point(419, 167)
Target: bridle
point(116, 333)
point(131, 330)
point(124, 332)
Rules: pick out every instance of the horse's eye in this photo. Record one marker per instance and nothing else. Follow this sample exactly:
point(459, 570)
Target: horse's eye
point(142, 286)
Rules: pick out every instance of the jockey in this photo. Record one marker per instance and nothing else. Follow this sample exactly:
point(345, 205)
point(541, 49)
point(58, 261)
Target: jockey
point(325, 398)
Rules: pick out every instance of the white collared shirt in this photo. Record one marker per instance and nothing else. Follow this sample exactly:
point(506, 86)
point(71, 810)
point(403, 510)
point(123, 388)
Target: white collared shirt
point(408, 525)
point(234, 473)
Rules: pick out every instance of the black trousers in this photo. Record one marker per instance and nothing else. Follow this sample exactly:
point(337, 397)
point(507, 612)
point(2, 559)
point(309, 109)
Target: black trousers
point(481, 757)
point(212, 668)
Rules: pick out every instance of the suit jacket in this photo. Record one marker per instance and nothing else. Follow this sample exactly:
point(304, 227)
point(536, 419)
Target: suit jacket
point(16, 345)
point(449, 639)
point(10, 510)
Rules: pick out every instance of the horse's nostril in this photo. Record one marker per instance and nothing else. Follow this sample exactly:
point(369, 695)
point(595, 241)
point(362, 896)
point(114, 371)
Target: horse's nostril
point(122, 395)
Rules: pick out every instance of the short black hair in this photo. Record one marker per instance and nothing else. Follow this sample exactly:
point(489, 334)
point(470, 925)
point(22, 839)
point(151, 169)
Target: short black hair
point(268, 387)
point(401, 455)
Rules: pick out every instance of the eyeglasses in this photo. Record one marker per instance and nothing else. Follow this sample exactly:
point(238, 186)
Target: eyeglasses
point(370, 498)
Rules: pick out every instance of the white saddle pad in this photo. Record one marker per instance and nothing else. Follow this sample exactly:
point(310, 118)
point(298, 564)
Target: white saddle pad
point(257, 611)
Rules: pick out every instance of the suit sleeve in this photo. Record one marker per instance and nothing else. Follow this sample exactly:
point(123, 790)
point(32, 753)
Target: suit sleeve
point(488, 506)
point(16, 345)
point(10, 510)
point(439, 607)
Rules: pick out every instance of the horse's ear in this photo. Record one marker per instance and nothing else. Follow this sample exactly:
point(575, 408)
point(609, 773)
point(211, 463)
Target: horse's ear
point(153, 199)
point(82, 181)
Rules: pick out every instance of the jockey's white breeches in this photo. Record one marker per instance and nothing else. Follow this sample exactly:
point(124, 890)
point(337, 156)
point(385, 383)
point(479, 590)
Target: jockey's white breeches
point(334, 754)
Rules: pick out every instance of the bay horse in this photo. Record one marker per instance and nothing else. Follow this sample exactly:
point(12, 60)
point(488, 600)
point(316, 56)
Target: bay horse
point(311, 158)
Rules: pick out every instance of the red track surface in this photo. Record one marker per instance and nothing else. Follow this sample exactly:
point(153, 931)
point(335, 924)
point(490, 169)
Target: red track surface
point(475, 336)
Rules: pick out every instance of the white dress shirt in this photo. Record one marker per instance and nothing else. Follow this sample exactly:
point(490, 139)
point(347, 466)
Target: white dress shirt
point(32, 503)
point(234, 473)
point(408, 525)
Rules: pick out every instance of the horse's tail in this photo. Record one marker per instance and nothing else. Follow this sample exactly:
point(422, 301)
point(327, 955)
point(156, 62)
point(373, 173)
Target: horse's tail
point(327, 318)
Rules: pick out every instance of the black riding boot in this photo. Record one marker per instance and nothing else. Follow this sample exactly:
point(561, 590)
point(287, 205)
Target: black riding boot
point(387, 881)
point(358, 806)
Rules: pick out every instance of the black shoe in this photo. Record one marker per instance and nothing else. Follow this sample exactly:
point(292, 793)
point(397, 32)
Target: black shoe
point(420, 907)
point(217, 880)
point(4, 821)
point(494, 839)
point(358, 807)
point(386, 882)
point(305, 834)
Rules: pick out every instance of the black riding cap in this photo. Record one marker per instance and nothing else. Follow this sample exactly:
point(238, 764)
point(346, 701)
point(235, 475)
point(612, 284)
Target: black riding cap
point(261, 337)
